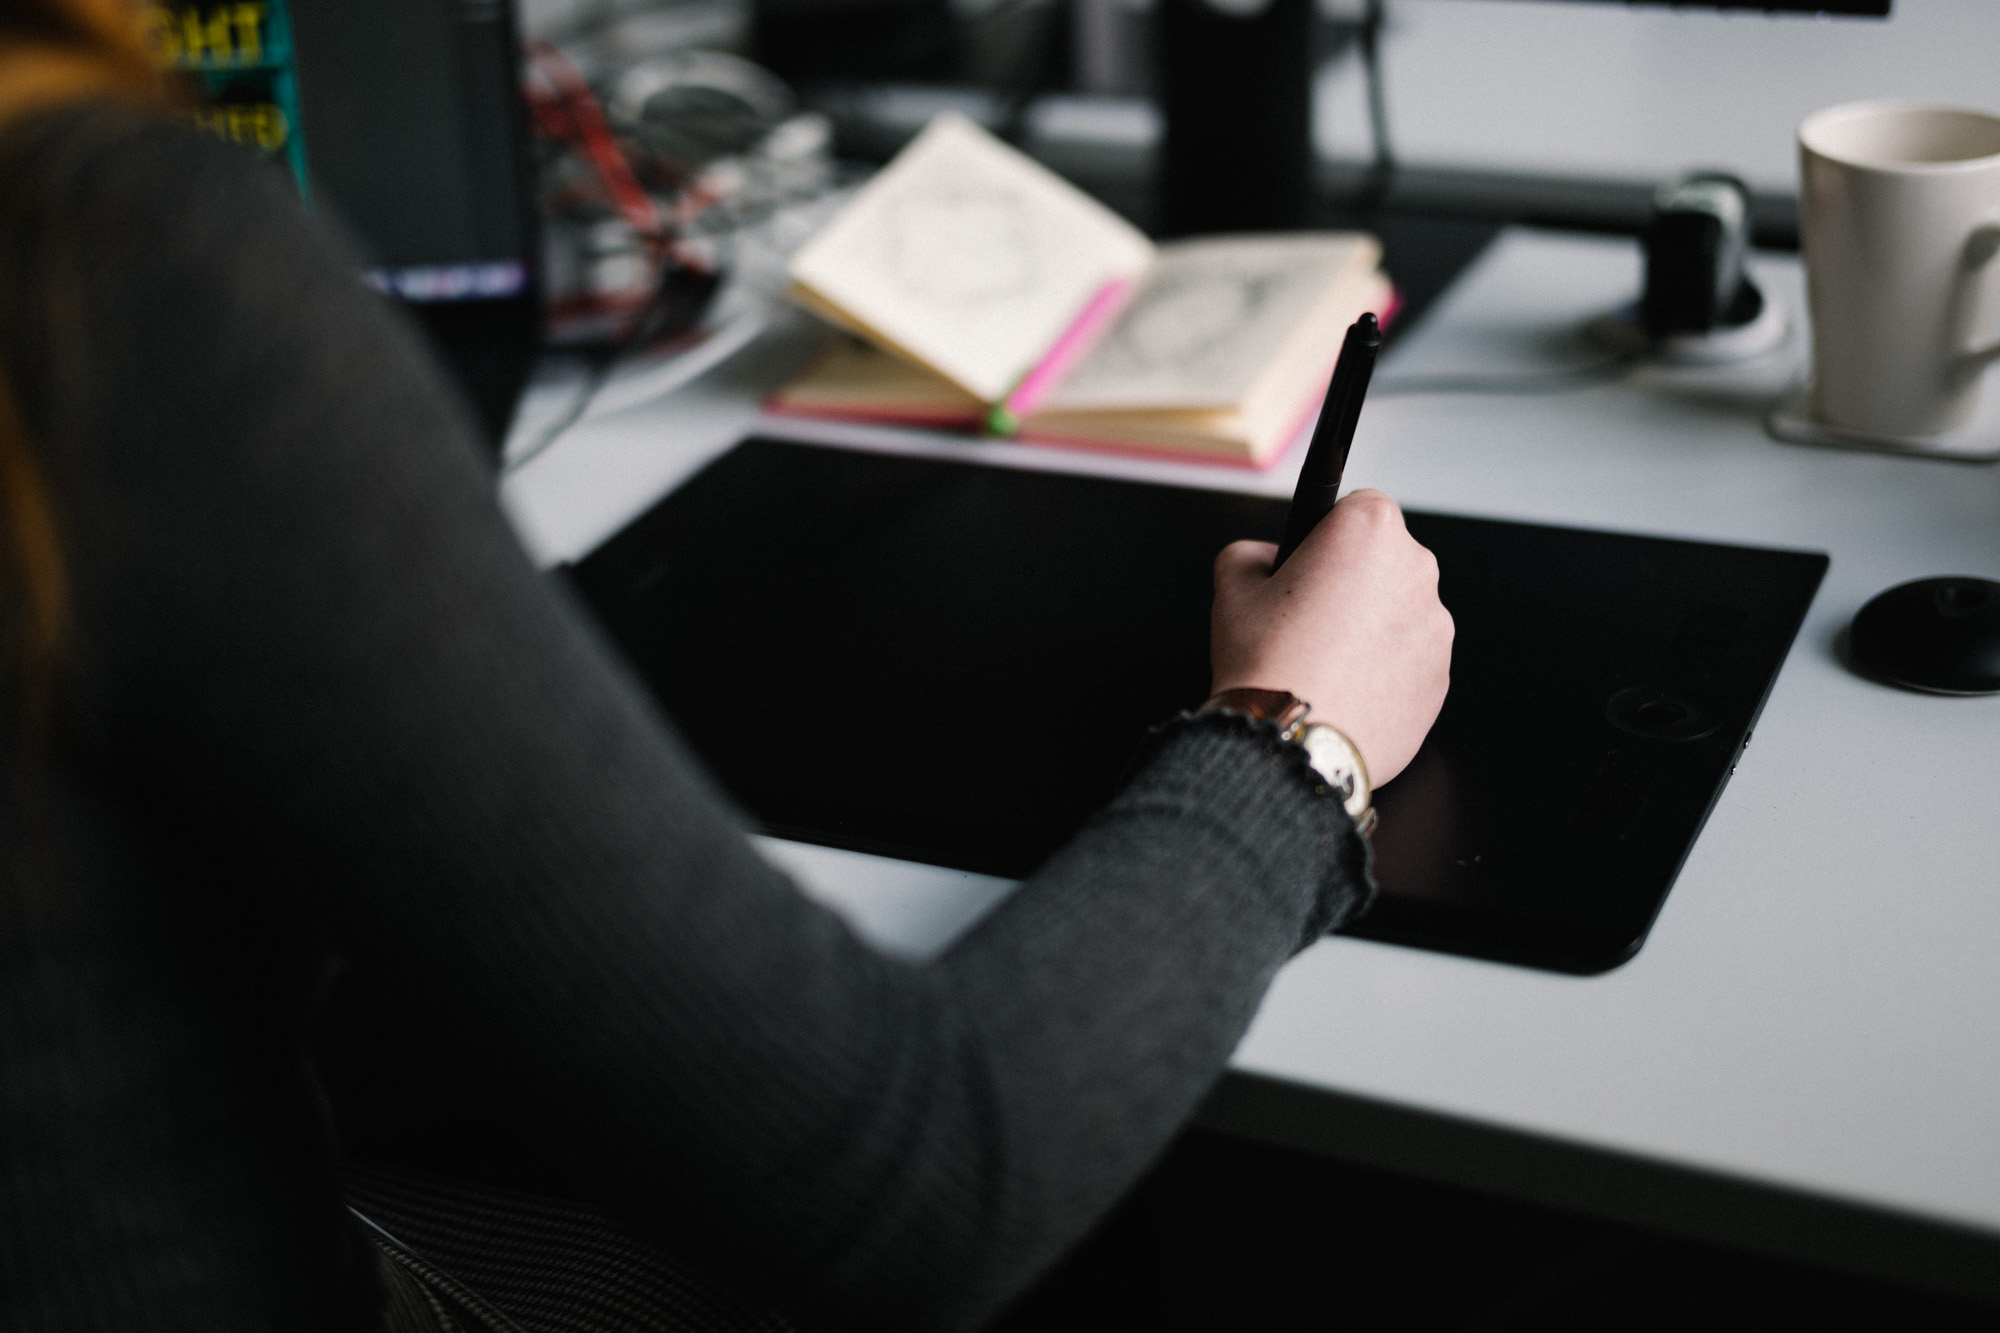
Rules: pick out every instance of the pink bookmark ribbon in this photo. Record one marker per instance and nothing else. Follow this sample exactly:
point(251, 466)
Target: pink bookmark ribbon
point(1078, 338)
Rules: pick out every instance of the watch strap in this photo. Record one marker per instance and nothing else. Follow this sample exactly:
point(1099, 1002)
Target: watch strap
point(1277, 706)
point(1332, 754)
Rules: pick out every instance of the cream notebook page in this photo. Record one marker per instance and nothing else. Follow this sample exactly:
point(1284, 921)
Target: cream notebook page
point(966, 257)
point(1215, 318)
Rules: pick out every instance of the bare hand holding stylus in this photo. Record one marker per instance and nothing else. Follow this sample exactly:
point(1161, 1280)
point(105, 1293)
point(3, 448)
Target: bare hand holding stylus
point(1351, 623)
point(1345, 613)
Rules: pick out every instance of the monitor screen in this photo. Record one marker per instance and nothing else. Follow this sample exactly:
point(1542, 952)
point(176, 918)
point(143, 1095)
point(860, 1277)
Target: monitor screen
point(413, 134)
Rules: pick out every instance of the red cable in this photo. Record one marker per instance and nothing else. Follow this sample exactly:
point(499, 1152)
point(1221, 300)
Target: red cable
point(597, 144)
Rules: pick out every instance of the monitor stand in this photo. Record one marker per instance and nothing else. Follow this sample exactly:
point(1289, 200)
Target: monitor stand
point(1236, 99)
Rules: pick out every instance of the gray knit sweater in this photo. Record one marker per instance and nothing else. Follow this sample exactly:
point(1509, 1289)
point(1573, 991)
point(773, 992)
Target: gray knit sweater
point(323, 731)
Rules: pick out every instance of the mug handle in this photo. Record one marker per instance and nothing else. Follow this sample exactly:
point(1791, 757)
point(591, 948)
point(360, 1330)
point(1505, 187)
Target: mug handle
point(1983, 244)
point(1980, 249)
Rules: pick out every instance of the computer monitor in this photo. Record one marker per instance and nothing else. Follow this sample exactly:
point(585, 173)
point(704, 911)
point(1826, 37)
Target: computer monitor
point(416, 140)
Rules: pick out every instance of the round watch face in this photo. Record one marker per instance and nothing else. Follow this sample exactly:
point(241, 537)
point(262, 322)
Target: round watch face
point(1334, 758)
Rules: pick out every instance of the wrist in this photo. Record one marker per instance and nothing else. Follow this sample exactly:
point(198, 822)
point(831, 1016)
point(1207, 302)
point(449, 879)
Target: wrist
point(1330, 752)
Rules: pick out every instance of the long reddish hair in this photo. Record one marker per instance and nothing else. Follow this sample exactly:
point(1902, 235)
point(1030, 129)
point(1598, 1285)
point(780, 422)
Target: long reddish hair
point(54, 52)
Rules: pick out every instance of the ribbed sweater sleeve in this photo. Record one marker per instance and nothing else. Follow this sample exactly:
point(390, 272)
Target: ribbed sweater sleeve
point(304, 640)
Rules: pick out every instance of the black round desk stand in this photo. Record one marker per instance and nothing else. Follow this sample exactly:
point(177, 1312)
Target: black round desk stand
point(1938, 635)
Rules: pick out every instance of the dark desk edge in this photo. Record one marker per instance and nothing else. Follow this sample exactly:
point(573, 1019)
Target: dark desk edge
point(1570, 202)
point(1346, 192)
point(1852, 1237)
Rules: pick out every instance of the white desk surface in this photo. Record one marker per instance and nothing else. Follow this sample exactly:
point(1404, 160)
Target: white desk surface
point(1818, 1006)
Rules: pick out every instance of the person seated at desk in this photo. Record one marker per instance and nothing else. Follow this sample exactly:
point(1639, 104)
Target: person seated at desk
point(291, 715)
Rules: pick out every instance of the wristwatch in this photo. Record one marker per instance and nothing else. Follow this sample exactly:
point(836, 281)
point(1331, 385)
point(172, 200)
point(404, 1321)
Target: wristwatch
point(1328, 750)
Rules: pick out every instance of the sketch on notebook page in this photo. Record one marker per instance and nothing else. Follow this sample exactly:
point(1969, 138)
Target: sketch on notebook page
point(962, 245)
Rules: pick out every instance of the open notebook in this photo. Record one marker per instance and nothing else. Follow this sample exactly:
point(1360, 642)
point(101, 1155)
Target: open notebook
point(981, 289)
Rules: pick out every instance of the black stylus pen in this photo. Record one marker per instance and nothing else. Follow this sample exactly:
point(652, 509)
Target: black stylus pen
point(1326, 456)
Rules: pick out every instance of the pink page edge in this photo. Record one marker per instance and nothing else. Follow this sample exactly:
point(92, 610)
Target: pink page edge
point(1070, 347)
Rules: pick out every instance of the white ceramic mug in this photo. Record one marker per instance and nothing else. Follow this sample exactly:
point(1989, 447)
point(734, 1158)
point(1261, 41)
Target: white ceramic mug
point(1899, 218)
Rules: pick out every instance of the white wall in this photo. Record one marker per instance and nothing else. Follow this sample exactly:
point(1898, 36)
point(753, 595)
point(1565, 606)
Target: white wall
point(1603, 90)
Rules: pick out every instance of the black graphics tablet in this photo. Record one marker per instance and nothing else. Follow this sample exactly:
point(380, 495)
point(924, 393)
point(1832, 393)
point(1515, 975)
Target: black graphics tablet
point(953, 663)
